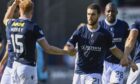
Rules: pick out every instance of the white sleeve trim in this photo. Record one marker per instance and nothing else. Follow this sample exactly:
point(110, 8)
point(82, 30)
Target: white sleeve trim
point(113, 47)
point(40, 38)
point(70, 43)
point(134, 29)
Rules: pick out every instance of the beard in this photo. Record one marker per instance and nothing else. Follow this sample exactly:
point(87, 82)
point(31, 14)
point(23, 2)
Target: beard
point(111, 19)
point(92, 22)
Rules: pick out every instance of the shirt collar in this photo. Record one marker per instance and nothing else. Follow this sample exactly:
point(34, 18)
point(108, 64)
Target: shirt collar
point(25, 18)
point(94, 30)
point(110, 24)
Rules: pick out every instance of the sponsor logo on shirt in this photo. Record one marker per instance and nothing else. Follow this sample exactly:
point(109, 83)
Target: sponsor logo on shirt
point(18, 24)
point(117, 40)
point(92, 48)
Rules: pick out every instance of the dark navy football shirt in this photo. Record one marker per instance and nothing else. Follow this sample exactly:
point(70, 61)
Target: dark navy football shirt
point(136, 26)
point(119, 30)
point(92, 46)
point(24, 34)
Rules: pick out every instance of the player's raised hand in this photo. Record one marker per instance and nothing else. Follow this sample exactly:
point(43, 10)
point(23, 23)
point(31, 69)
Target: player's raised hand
point(70, 49)
point(17, 2)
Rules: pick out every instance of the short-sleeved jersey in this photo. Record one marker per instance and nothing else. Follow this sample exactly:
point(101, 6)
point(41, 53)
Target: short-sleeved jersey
point(24, 34)
point(136, 26)
point(119, 30)
point(92, 46)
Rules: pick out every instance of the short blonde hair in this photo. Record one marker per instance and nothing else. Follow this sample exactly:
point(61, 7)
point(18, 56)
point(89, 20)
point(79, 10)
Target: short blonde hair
point(26, 5)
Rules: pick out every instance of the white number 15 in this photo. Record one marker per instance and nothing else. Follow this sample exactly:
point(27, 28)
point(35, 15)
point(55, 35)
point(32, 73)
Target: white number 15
point(17, 45)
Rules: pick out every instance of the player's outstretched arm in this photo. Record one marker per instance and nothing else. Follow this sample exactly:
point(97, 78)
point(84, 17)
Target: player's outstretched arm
point(51, 49)
point(129, 45)
point(10, 11)
point(120, 55)
point(117, 52)
point(71, 49)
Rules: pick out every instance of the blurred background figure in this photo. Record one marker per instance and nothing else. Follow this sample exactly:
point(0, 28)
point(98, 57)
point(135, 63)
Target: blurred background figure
point(69, 61)
point(3, 41)
point(42, 72)
point(2, 49)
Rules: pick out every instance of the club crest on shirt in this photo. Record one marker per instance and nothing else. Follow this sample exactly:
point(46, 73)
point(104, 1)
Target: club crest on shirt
point(41, 32)
point(92, 39)
point(92, 35)
point(112, 31)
